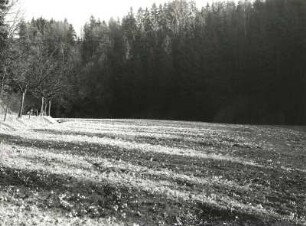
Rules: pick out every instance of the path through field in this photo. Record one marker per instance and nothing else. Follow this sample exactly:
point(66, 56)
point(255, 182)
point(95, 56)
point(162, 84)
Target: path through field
point(145, 172)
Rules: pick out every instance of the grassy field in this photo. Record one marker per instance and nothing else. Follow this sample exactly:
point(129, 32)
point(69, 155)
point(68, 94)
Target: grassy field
point(145, 172)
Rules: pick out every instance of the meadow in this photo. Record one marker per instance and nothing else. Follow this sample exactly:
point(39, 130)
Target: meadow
point(150, 172)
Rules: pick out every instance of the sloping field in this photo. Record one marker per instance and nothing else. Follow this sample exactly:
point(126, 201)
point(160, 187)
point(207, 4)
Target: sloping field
point(142, 172)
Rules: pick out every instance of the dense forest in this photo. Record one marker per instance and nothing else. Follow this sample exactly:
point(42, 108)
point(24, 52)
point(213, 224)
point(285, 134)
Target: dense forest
point(227, 62)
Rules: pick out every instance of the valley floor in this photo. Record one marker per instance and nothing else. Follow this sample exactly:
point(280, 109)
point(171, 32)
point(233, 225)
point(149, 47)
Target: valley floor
point(146, 172)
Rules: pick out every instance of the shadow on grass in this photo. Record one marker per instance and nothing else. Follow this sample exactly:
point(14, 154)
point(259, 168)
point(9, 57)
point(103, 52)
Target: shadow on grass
point(150, 159)
point(179, 142)
point(142, 206)
point(188, 165)
point(223, 147)
point(100, 199)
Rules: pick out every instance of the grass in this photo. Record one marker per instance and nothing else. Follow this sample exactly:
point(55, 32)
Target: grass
point(146, 172)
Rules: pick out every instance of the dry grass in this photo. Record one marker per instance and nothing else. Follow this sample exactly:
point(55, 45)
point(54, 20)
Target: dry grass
point(142, 172)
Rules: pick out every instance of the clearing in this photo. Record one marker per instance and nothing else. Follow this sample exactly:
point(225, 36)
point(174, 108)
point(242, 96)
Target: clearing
point(147, 172)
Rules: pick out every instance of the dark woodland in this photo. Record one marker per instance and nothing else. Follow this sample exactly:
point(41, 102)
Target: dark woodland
point(226, 62)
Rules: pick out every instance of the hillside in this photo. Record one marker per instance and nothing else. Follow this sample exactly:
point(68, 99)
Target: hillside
point(25, 123)
point(150, 172)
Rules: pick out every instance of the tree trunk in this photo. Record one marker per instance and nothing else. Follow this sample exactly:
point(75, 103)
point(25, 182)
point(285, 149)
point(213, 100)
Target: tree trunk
point(45, 107)
point(5, 112)
point(49, 109)
point(2, 88)
point(2, 82)
point(22, 103)
point(42, 106)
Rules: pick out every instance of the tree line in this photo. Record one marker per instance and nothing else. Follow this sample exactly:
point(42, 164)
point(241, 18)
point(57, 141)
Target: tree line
point(225, 62)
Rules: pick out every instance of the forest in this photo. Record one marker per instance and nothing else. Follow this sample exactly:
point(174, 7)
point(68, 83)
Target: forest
point(227, 62)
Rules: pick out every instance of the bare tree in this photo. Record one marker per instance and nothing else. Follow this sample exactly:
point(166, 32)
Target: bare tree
point(10, 15)
point(26, 71)
point(51, 86)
